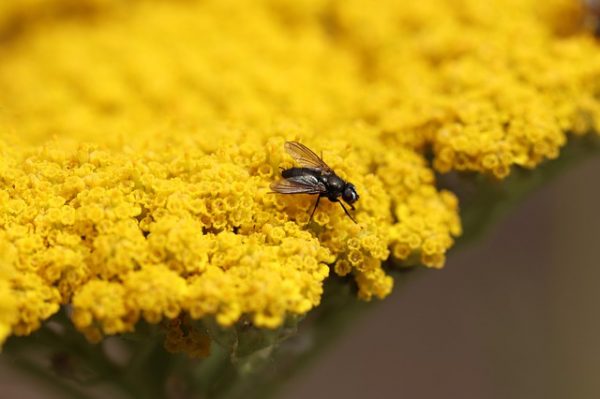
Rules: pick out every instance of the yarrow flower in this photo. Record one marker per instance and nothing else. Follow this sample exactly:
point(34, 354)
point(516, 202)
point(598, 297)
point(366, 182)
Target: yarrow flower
point(137, 150)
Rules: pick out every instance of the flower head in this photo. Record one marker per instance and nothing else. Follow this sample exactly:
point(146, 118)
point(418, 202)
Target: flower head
point(134, 174)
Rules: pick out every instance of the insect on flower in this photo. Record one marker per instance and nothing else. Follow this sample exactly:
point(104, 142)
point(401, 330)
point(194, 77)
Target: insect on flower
point(314, 177)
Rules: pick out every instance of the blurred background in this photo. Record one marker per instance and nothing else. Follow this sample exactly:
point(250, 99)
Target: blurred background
point(511, 316)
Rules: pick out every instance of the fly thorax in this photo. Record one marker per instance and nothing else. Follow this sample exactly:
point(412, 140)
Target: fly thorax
point(336, 184)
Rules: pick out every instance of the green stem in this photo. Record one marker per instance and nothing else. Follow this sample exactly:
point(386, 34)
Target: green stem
point(41, 375)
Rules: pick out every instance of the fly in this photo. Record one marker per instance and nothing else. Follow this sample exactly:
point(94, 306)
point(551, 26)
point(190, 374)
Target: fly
point(314, 177)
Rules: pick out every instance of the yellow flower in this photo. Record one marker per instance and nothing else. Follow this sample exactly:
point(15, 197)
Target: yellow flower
point(99, 307)
point(9, 312)
point(136, 152)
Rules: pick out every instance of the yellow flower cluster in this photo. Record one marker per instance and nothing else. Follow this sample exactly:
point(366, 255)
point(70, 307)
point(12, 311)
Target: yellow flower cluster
point(8, 302)
point(138, 141)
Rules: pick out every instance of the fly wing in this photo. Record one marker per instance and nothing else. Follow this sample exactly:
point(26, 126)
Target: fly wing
point(305, 157)
point(306, 184)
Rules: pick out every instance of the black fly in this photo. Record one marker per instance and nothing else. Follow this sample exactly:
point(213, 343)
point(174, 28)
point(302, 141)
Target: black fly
point(314, 177)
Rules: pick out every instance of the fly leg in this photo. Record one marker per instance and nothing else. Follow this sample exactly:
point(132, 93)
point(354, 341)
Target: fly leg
point(315, 208)
point(347, 213)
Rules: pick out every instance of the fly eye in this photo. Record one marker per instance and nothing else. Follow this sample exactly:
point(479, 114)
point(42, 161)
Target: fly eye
point(350, 195)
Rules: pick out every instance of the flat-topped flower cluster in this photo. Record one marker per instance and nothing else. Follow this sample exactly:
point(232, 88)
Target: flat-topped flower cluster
point(138, 141)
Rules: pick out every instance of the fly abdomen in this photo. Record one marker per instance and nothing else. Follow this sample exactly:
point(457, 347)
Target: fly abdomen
point(296, 172)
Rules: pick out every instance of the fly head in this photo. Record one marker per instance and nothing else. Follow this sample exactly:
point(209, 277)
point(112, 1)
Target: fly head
point(349, 195)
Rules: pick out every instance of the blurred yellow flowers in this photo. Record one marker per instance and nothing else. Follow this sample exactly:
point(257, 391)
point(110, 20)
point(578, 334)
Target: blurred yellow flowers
point(138, 140)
